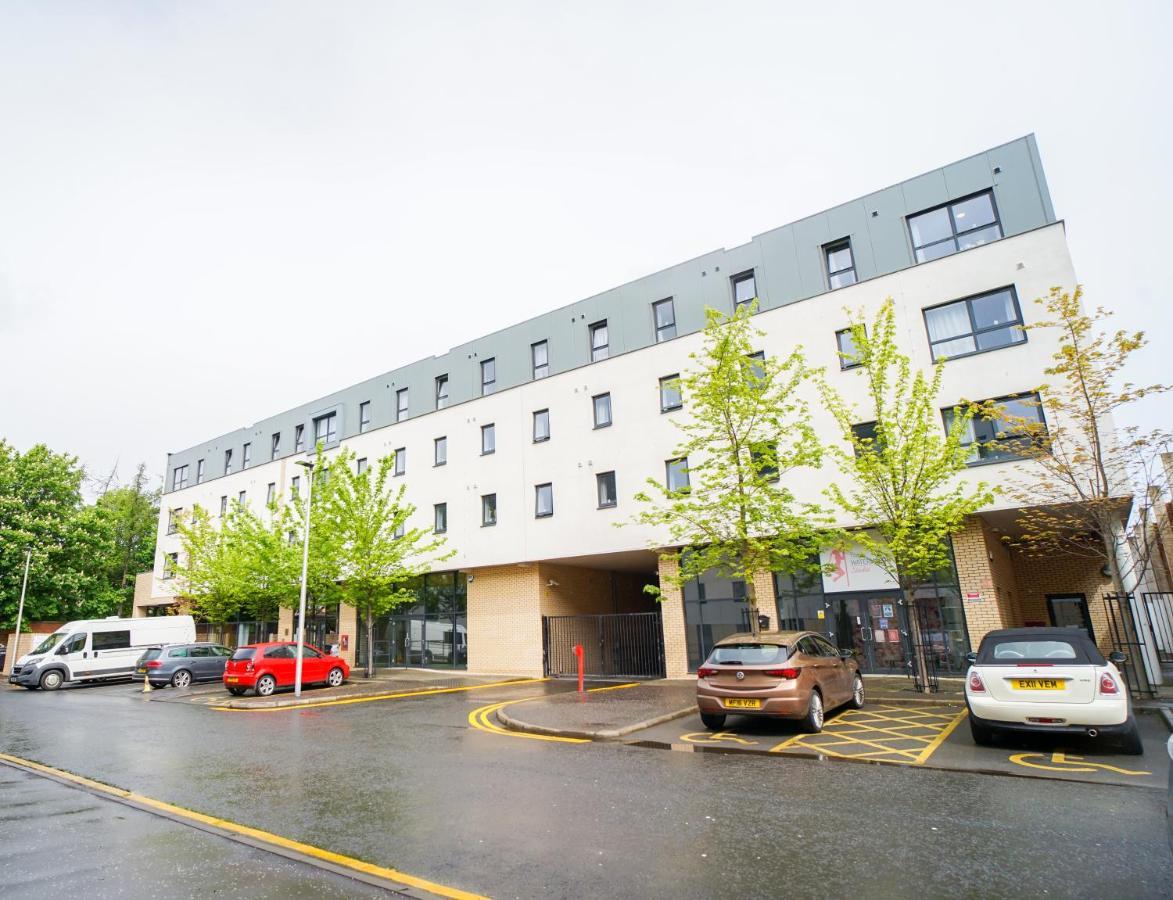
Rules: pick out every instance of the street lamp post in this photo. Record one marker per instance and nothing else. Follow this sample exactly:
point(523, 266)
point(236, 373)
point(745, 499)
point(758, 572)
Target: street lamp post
point(305, 562)
point(28, 556)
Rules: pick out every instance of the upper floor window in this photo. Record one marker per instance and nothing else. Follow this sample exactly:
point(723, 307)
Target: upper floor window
point(227, 462)
point(488, 509)
point(541, 425)
point(540, 358)
point(764, 460)
point(440, 455)
point(677, 474)
point(602, 403)
point(246, 456)
point(757, 367)
point(840, 264)
point(401, 461)
point(326, 429)
point(199, 471)
point(488, 439)
point(605, 485)
point(975, 324)
point(745, 289)
point(543, 500)
point(600, 342)
point(1018, 423)
point(664, 315)
point(488, 375)
point(242, 498)
point(440, 518)
point(271, 493)
point(179, 478)
point(399, 531)
point(848, 352)
point(223, 506)
point(361, 465)
point(865, 435)
point(364, 416)
point(441, 391)
point(295, 486)
point(170, 565)
point(275, 445)
point(173, 520)
point(955, 226)
point(298, 438)
point(401, 400)
point(670, 396)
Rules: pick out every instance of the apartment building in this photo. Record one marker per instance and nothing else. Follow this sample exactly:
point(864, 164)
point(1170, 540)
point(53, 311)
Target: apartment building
point(526, 446)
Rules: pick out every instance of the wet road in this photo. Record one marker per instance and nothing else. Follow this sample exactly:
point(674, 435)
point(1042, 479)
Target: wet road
point(407, 784)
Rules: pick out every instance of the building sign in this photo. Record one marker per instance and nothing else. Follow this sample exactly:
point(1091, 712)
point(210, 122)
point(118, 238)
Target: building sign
point(853, 571)
point(973, 596)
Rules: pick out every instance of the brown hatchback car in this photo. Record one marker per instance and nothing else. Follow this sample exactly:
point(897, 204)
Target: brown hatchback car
point(783, 674)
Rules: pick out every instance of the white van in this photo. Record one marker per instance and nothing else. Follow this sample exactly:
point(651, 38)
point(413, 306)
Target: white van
point(97, 650)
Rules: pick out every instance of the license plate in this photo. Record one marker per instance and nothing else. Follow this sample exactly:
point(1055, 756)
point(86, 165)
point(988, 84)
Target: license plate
point(740, 703)
point(1038, 684)
point(232, 678)
point(141, 671)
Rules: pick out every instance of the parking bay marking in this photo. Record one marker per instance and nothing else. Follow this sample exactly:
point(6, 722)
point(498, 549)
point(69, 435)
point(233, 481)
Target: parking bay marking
point(895, 734)
point(369, 873)
point(1065, 762)
point(715, 737)
point(371, 698)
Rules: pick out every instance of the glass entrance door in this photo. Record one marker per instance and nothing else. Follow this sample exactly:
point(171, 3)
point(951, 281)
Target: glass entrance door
point(872, 627)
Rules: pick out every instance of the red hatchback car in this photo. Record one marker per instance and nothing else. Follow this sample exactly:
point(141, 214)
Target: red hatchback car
point(266, 667)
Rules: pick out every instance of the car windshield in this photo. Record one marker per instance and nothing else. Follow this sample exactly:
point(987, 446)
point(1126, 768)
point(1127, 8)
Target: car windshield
point(244, 653)
point(748, 654)
point(1015, 650)
point(48, 643)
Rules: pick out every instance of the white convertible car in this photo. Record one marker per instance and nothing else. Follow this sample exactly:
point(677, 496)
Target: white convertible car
point(1041, 680)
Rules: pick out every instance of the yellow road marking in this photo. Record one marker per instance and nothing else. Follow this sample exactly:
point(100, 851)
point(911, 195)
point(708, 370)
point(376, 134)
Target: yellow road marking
point(850, 727)
point(256, 834)
point(373, 697)
point(1070, 763)
point(715, 737)
point(480, 718)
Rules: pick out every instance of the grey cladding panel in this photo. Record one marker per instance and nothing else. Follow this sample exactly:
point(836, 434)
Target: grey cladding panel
point(1017, 192)
point(851, 221)
point(888, 230)
point(925, 191)
point(812, 232)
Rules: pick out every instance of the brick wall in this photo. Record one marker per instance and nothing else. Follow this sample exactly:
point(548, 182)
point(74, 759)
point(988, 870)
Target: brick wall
point(285, 624)
point(348, 625)
point(1064, 574)
point(672, 618)
point(505, 620)
point(987, 578)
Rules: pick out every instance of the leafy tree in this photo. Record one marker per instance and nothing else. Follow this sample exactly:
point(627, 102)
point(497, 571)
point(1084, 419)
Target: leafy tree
point(41, 509)
point(378, 556)
point(132, 514)
point(1086, 471)
point(901, 480)
point(213, 569)
point(748, 429)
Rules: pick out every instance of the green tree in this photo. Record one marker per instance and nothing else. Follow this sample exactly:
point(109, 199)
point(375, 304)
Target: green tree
point(41, 509)
point(132, 514)
point(748, 430)
point(901, 479)
point(213, 569)
point(1078, 498)
point(378, 556)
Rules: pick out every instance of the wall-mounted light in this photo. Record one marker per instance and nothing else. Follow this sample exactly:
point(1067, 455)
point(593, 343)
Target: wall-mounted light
point(552, 583)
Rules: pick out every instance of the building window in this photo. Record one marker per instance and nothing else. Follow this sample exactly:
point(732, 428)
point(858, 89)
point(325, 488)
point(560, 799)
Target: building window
point(541, 425)
point(540, 358)
point(600, 342)
point(489, 509)
point(227, 462)
point(401, 404)
point(664, 315)
point(271, 493)
point(173, 520)
point(170, 564)
point(401, 461)
point(364, 416)
point(440, 518)
point(246, 457)
point(199, 471)
point(242, 498)
point(295, 486)
point(757, 367)
point(441, 391)
point(441, 451)
point(670, 396)
point(955, 226)
point(745, 289)
point(361, 465)
point(975, 324)
point(1005, 436)
point(848, 352)
point(764, 458)
point(298, 438)
point(488, 375)
point(223, 506)
point(399, 531)
point(543, 501)
point(179, 478)
point(840, 264)
point(605, 485)
point(865, 436)
point(275, 445)
point(677, 474)
point(488, 439)
point(326, 429)
point(602, 404)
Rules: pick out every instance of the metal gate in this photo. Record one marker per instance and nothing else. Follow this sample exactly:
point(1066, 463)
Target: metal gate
point(1129, 638)
point(1158, 606)
point(618, 645)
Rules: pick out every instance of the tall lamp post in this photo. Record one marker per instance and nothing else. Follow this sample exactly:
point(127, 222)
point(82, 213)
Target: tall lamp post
point(28, 556)
point(305, 562)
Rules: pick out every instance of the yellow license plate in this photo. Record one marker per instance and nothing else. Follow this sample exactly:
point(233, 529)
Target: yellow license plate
point(738, 703)
point(1038, 684)
point(232, 678)
point(141, 671)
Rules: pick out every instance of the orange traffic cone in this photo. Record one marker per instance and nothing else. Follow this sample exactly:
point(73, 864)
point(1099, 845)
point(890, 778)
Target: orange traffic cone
point(146, 684)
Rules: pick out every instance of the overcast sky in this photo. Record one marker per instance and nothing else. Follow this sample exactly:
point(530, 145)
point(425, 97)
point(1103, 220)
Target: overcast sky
point(210, 212)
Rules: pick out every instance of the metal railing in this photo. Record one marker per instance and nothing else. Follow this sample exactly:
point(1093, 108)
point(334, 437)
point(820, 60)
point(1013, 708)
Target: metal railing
point(1128, 636)
point(617, 645)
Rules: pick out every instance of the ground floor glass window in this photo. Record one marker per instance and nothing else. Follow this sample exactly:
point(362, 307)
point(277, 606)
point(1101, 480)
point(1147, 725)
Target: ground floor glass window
point(430, 633)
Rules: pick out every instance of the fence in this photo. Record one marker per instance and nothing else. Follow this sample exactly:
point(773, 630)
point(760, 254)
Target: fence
point(620, 645)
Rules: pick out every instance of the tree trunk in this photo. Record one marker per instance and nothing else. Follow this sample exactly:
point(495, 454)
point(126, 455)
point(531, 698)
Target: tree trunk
point(920, 657)
point(370, 642)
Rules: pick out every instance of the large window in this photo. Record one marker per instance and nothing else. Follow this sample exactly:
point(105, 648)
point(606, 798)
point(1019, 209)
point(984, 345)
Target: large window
point(295, 486)
point(271, 492)
point(1018, 423)
point(541, 425)
point(488, 375)
point(840, 264)
point(955, 226)
point(488, 510)
point(975, 324)
point(441, 391)
point(179, 478)
point(401, 461)
point(488, 439)
point(540, 358)
point(326, 429)
point(173, 520)
point(848, 352)
point(605, 484)
point(543, 501)
point(602, 405)
point(600, 342)
point(199, 471)
point(664, 314)
point(670, 397)
point(364, 416)
point(298, 438)
point(402, 399)
point(440, 518)
point(223, 506)
point(440, 451)
point(677, 474)
point(247, 456)
point(227, 462)
point(745, 289)
point(275, 445)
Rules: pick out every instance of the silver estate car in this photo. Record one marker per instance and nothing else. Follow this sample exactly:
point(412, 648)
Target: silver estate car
point(181, 665)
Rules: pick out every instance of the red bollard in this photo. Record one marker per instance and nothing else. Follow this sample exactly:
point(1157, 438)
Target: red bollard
point(578, 653)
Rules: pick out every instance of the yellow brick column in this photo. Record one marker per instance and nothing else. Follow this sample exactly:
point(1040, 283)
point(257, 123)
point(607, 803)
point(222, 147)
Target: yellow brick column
point(348, 625)
point(763, 583)
point(987, 585)
point(672, 621)
point(505, 620)
point(285, 625)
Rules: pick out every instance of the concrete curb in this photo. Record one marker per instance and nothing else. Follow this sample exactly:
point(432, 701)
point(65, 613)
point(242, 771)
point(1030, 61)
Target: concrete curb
point(610, 734)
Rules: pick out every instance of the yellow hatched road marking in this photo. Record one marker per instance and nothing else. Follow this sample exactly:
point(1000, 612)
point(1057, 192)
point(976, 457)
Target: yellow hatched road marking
point(256, 834)
point(480, 718)
point(345, 701)
point(851, 727)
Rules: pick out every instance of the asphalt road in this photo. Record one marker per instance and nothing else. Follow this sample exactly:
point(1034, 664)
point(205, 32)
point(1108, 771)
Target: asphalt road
point(408, 784)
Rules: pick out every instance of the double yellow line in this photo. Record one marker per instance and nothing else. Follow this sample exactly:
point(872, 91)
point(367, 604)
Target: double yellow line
point(347, 701)
point(481, 719)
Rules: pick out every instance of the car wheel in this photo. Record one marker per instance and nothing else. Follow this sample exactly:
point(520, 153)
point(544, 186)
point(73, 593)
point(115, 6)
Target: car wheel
point(236, 691)
point(181, 679)
point(266, 684)
point(335, 678)
point(713, 721)
point(983, 734)
point(812, 723)
point(856, 701)
point(51, 680)
point(1130, 741)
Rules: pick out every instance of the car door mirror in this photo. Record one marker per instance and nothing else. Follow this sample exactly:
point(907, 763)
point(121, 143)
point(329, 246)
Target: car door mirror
point(846, 654)
point(1117, 658)
point(971, 658)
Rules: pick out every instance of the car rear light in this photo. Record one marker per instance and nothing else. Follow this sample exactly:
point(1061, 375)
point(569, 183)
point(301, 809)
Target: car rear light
point(706, 671)
point(782, 673)
point(154, 664)
point(1041, 720)
point(1108, 684)
point(1034, 665)
point(975, 683)
point(248, 666)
